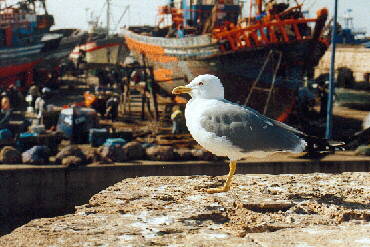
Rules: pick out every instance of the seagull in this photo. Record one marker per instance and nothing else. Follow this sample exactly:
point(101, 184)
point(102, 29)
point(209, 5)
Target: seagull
point(235, 131)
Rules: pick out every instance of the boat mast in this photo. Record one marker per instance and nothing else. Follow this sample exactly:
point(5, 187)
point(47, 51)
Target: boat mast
point(108, 16)
point(191, 10)
point(329, 111)
point(250, 12)
point(259, 6)
point(43, 2)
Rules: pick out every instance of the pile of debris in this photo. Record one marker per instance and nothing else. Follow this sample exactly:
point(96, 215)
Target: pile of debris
point(104, 148)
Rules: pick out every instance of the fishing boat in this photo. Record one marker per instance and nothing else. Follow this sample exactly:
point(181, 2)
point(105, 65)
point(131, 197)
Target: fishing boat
point(98, 50)
point(58, 44)
point(22, 27)
point(100, 47)
point(29, 51)
point(262, 59)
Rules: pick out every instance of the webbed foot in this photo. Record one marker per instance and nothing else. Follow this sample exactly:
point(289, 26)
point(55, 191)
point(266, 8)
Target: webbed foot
point(226, 187)
point(218, 190)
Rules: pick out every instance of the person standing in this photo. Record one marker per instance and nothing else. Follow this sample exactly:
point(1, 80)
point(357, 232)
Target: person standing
point(40, 106)
point(178, 121)
point(323, 94)
point(117, 78)
point(81, 59)
point(103, 77)
point(180, 31)
point(13, 96)
point(112, 108)
point(6, 112)
point(34, 91)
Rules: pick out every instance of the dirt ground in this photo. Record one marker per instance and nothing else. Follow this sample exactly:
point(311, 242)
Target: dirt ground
point(260, 210)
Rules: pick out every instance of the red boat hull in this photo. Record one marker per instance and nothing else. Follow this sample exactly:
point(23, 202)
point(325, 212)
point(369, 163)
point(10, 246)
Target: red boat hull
point(23, 72)
point(14, 69)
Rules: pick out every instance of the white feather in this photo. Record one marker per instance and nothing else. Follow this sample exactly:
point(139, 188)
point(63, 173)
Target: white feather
point(207, 95)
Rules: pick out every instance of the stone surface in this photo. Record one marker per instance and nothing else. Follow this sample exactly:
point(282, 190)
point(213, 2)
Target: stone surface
point(70, 151)
point(203, 154)
point(72, 161)
point(356, 59)
point(260, 210)
point(160, 153)
point(92, 155)
point(134, 151)
point(10, 155)
point(183, 154)
point(113, 154)
point(37, 155)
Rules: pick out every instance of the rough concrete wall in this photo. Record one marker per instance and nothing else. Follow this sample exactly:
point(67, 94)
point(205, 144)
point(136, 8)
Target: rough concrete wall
point(36, 191)
point(357, 59)
point(23, 190)
point(41, 191)
point(321, 210)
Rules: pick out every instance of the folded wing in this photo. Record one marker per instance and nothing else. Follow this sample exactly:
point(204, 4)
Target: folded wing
point(250, 131)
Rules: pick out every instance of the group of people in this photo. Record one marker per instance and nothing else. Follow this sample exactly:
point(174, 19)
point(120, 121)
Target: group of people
point(37, 100)
point(10, 98)
point(109, 77)
point(177, 31)
point(108, 81)
point(13, 94)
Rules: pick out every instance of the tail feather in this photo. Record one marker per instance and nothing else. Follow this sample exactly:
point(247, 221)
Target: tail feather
point(359, 138)
point(316, 144)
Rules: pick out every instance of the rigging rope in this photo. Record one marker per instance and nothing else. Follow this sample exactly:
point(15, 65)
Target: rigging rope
point(101, 12)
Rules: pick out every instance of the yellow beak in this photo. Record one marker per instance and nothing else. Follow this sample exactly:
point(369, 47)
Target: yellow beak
point(181, 89)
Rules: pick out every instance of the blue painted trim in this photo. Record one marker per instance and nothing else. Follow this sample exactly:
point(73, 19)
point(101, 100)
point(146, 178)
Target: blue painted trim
point(329, 117)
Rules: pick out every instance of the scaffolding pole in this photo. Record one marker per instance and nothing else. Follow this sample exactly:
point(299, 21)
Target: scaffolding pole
point(329, 118)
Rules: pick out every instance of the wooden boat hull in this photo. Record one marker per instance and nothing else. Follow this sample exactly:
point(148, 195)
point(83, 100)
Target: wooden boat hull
point(57, 49)
point(177, 61)
point(18, 59)
point(101, 51)
point(17, 63)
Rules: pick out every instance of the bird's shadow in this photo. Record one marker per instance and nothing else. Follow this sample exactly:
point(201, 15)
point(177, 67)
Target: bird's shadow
point(339, 201)
point(331, 199)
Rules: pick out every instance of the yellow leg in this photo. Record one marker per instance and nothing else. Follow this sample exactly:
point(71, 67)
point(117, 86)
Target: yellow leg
point(232, 166)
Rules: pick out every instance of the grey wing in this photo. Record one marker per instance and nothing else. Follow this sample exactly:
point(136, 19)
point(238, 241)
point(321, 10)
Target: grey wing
point(280, 124)
point(249, 130)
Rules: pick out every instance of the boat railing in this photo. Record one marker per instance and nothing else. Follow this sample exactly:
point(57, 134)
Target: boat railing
point(264, 33)
point(261, 34)
point(186, 42)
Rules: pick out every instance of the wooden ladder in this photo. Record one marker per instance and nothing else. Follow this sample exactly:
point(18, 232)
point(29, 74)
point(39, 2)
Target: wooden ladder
point(141, 100)
point(269, 90)
point(132, 104)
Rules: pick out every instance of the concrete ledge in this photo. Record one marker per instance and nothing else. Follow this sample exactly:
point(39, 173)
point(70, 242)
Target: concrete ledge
point(326, 210)
point(34, 191)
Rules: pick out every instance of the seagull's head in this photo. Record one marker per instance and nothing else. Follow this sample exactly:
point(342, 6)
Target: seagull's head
point(203, 87)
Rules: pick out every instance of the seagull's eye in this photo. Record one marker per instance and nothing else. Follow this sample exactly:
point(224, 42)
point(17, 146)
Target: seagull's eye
point(200, 83)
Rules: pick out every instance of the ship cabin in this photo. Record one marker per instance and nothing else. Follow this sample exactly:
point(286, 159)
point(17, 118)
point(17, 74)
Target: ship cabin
point(195, 13)
point(22, 26)
point(194, 16)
